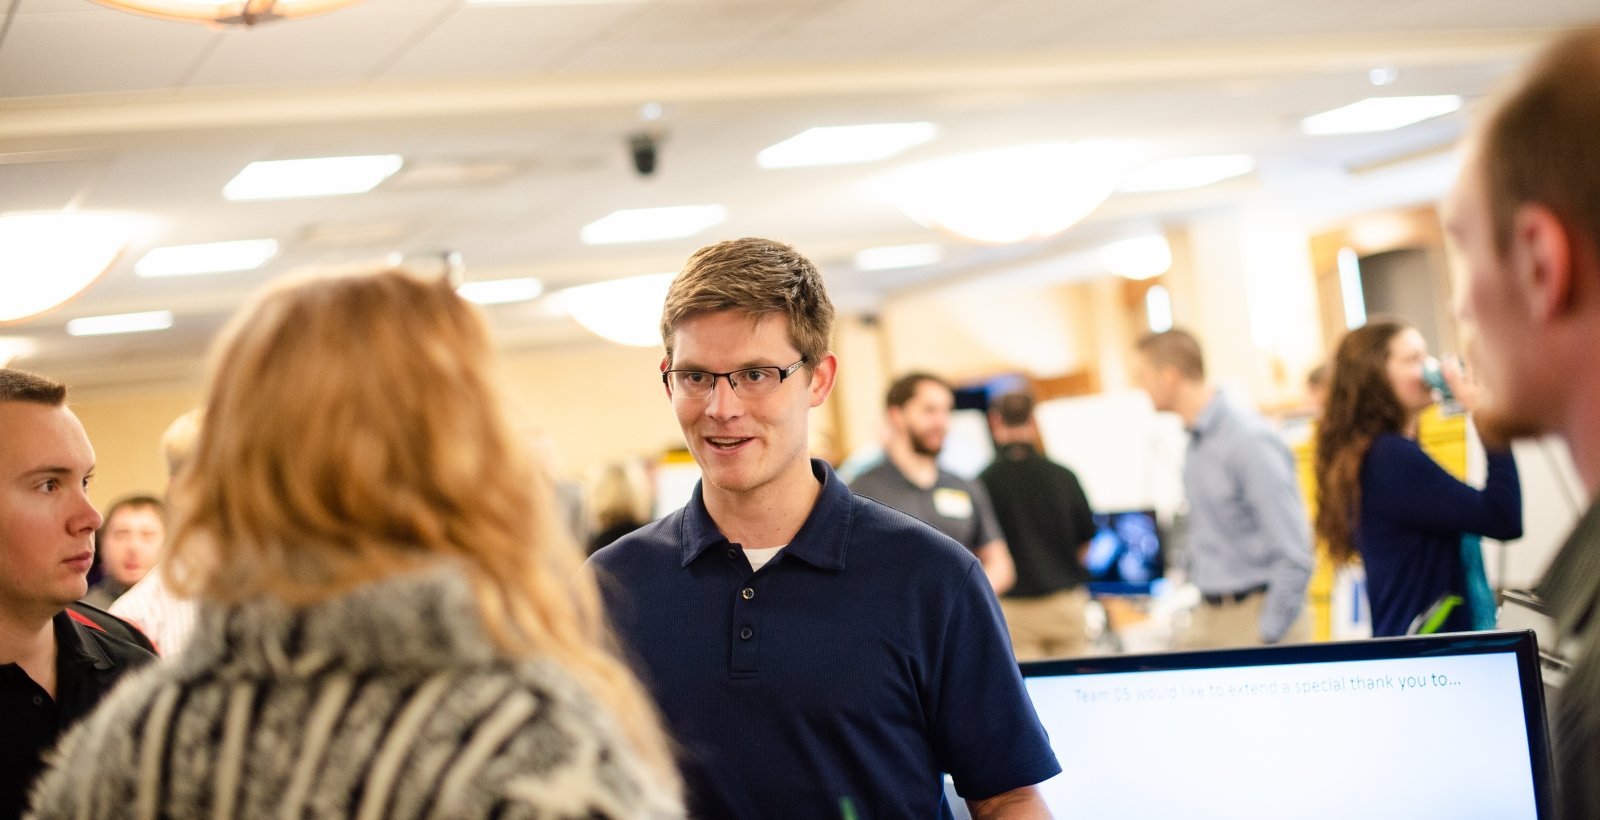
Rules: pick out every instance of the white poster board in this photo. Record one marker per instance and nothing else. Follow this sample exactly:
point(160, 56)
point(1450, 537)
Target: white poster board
point(1128, 456)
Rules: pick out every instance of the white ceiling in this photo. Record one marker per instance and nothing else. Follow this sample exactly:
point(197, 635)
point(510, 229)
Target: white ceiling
point(104, 110)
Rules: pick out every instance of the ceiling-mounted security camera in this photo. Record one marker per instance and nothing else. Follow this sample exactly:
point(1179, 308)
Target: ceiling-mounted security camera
point(643, 146)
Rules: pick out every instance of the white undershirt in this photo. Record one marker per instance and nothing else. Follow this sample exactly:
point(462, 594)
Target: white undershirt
point(759, 558)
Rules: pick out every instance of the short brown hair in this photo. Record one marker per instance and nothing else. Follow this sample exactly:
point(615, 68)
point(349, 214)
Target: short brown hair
point(906, 386)
point(758, 277)
point(1014, 409)
point(20, 385)
point(1176, 348)
point(1539, 142)
point(136, 502)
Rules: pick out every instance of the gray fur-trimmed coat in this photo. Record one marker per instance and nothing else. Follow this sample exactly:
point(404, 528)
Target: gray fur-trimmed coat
point(389, 702)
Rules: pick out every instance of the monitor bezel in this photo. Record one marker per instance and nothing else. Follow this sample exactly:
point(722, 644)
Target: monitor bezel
point(1522, 644)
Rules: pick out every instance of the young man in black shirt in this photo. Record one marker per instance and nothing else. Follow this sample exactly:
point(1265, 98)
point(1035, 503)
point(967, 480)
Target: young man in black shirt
point(55, 662)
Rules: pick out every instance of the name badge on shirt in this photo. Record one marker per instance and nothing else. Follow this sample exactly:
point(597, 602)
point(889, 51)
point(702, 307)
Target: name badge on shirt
point(952, 503)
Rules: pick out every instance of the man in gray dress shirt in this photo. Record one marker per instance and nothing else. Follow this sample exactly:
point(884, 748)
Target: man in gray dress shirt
point(1524, 225)
point(1249, 539)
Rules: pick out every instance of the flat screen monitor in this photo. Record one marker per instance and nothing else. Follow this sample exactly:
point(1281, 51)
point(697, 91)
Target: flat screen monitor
point(1126, 556)
point(1439, 726)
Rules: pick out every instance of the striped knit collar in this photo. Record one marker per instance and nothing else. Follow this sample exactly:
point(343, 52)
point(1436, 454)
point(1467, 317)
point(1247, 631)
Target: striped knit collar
point(419, 621)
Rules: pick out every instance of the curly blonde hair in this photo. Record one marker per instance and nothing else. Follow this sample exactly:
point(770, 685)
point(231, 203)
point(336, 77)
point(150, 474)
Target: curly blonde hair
point(353, 430)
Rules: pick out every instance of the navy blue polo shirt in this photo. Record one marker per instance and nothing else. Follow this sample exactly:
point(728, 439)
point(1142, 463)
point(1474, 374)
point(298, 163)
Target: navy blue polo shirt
point(841, 679)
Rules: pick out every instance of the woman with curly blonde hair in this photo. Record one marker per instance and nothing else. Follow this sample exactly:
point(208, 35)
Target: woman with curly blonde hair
point(393, 622)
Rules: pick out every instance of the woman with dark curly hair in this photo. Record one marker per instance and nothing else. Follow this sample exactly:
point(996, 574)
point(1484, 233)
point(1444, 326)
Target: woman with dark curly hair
point(1382, 498)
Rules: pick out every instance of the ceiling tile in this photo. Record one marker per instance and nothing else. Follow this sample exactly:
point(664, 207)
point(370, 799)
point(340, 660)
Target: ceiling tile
point(495, 40)
point(106, 51)
point(44, 186)
point(342, 46)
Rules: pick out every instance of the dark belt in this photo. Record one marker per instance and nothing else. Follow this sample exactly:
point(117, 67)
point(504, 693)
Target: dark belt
point(1221, 598)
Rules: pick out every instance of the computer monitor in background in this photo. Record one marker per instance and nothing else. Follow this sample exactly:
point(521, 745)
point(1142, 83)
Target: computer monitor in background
point(1440, 726)
point(1125, 555)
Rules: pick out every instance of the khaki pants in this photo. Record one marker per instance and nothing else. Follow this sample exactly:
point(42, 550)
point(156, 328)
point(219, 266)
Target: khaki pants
point(1231, 623)
point(1051, 626)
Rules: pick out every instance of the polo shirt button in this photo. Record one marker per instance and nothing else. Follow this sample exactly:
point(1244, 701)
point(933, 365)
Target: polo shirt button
point(38, 701)
point(733, 553)
point(747, 593)
point(744, 634)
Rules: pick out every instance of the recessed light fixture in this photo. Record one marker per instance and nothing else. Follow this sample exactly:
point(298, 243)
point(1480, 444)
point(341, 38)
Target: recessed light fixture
point(843, 144)
point(501, 291)
point(1142, 257)
point(890, 257)
point(47, 259)
point(120, 323)
point(1158, 309)
point(1182, 173)
point(625, 311)
point(1380, 114)
point(646, 224)
point(321, 176)
point(1350, 291)
point(211, 257)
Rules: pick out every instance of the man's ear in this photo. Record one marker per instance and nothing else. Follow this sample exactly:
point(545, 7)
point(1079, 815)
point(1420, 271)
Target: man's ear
point(1541, 250)
point(666, 362)
point(822, 377)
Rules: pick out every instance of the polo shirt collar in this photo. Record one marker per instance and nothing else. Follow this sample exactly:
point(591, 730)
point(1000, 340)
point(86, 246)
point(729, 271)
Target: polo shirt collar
point(75, 645)
point(820, 541)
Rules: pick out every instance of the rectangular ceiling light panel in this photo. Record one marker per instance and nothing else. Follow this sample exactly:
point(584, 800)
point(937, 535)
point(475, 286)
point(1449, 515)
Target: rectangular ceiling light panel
point(1380, 114)
point(120, 323)
point(211, 257)
point(892, 257)
point(501, 291)
point(647, 224)
point(322, 176)
point(843, 144)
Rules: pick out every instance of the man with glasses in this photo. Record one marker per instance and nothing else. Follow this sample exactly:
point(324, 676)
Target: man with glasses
point(814, 654)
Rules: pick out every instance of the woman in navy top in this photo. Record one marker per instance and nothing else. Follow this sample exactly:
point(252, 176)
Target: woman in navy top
point(1382, 497)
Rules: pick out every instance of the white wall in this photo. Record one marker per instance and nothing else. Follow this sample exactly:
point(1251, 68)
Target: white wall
point(1552, 502)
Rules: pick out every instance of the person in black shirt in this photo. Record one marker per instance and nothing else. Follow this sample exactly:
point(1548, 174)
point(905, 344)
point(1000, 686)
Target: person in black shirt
point(55, 662)
point(1047, 524)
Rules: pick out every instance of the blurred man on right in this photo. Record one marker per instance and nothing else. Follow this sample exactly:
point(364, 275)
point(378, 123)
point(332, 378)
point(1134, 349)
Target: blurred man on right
point(1524, 227)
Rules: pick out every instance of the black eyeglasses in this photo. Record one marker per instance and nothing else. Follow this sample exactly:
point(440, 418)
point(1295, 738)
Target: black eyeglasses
point(749, 382)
